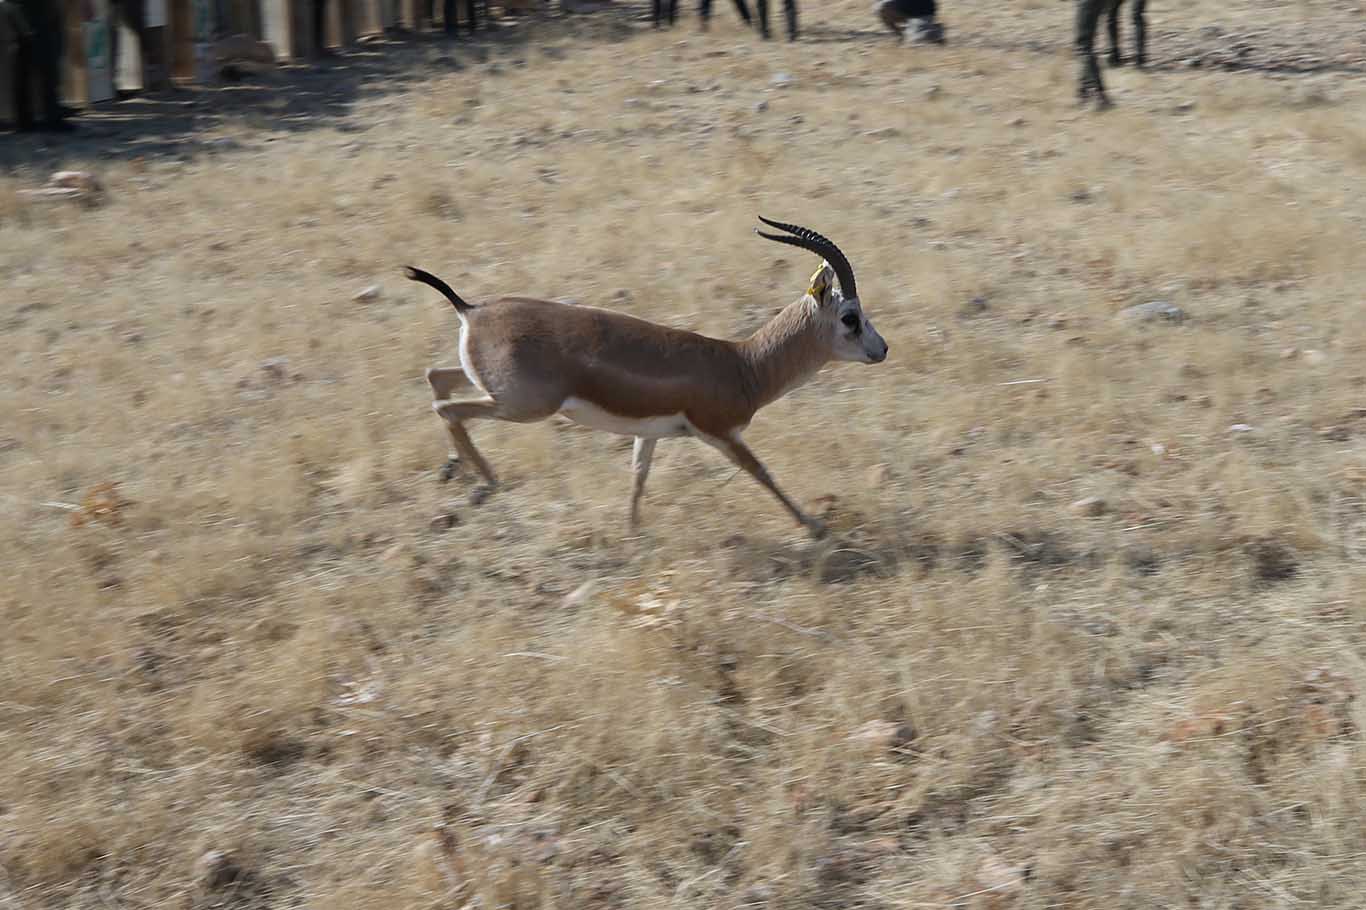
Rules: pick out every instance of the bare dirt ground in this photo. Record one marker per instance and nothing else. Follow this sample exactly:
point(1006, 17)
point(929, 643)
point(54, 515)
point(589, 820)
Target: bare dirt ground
point(1090, 631)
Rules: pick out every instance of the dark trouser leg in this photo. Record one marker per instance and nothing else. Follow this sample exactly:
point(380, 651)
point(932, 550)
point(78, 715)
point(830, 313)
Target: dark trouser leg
point(46, 65)
point(23, 84)
point(704, 13)
point(1112, 26)
point(1140, 33)
point(762, 9)
point(790, 8)
point(1088, 17)
point(451, 14)
point(743, 10)
point(320, 28)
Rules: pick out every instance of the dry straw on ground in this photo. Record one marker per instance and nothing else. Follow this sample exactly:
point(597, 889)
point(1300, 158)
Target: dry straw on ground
point(258, 673)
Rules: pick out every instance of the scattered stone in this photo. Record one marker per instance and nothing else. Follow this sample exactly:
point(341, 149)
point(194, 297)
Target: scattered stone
point(76, 180)
point(395, 553)
point(1000, 878)
point(1154, 310)
point(78, 186)
point(934, 91)
point(974, 307)
point(1183, 107)
point(579, 596)
point(445, 520)
point(782, 80)
point(760, 107)
point(277, 368)
point(1316, 358)
point(366, 294)
point(879, 475)
point(1081, 195)
point(1241, 428)
point(886, 132)
point(1090, 507)
point(216, 870)
point(884, 735)
point(479, 494)
point(1336, 434)
point(1016, 122)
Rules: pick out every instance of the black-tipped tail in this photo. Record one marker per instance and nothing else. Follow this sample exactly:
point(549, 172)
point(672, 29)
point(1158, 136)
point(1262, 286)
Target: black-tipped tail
point(429, 279)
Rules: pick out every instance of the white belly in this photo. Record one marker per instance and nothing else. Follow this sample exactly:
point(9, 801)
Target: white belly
point(587, 414)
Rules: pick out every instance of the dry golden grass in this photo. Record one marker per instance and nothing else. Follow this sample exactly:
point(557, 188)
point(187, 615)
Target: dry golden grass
point(974, 696)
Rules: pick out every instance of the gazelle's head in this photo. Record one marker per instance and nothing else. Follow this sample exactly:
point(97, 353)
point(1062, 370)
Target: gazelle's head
point(837, 309)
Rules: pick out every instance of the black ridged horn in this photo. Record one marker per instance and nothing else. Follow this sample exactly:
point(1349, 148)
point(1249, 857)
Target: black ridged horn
point(808, 239)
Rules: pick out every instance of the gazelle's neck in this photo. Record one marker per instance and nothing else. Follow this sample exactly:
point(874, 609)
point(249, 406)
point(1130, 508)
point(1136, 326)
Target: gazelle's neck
point(786, 352)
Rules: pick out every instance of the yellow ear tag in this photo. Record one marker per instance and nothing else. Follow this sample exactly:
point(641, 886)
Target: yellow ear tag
point(820, 283)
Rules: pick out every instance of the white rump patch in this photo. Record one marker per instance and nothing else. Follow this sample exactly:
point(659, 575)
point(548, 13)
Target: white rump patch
point(465, 363)
point(587, 414)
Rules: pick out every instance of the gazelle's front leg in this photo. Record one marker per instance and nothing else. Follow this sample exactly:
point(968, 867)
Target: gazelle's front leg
point(734, 449)
point(641, 455)
point(443, 381)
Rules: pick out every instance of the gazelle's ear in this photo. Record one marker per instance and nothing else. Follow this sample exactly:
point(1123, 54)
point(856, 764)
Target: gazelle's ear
point(822, 283)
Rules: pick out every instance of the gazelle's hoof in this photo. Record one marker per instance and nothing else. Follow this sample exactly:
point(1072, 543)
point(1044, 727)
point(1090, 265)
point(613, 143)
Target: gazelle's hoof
point(449, 468)
point(816, 528)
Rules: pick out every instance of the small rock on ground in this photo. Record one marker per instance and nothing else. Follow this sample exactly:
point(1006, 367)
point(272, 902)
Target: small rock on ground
point(1154, 310)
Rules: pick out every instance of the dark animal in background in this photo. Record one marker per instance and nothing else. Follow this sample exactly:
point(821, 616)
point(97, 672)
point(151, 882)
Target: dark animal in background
point(913, 19)
point(1088, 20)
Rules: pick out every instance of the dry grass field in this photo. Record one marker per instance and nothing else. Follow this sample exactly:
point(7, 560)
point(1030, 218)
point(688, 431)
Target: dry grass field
point(1091, 627)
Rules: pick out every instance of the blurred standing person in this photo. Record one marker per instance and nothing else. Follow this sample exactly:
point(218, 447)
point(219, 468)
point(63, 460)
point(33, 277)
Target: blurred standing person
point(320, 48)
point(37, 29)
point(704, 10)
point(922, 15)
point(450, 13)
point(130, 13)
point(789, 9)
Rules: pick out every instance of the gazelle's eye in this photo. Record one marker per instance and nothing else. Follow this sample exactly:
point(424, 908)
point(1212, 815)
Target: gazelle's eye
point(851, 320)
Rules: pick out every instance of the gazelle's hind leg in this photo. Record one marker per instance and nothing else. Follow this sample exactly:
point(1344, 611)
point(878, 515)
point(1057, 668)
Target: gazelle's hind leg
point(526, 409)
point(641, 455)
point(455, 413)
point(443, 381)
